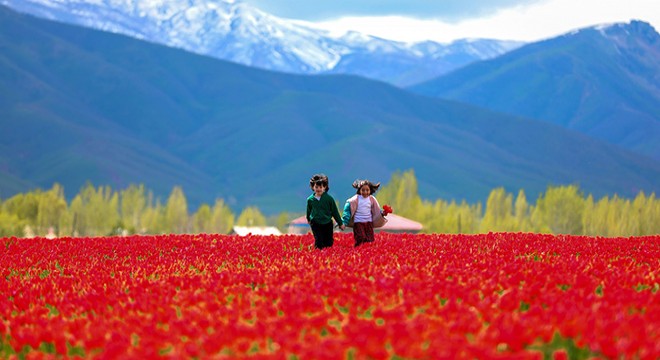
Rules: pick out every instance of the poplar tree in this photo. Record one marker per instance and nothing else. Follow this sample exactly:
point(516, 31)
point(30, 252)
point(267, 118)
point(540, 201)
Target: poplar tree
point(251, 216)
point(222, 218)
point(429, 214)
point(469, 217)
point(176, 212)
point(588, 225)
point(154, 219)
point(436, 217)
point(646, 210)
point(522, 213)
point(498, 215)
point(282, 220)
point(51, 205)
point(402, 194)
point(599, 217)
point(560, 210)
point(25, 207)
point(201, 220)
point(95, 211)
point(133, 203)
point(10, 225)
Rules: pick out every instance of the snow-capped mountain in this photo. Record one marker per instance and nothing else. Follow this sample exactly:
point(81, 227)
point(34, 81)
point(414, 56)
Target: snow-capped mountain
point(235, 31)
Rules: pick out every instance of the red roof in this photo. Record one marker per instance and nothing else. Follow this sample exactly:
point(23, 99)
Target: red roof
point(394, 223)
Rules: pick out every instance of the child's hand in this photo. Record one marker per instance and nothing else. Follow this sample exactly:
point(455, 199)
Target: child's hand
point(342, 227)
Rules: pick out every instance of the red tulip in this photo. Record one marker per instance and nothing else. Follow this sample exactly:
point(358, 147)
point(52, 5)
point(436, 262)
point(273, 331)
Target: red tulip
point(496, 295)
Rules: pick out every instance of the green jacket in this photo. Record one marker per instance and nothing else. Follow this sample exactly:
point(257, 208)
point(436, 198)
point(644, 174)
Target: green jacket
point(322, 211)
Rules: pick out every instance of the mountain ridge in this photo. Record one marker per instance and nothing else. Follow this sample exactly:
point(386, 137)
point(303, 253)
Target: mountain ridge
point(603, 81)
point(235, 31)
point(82, 105)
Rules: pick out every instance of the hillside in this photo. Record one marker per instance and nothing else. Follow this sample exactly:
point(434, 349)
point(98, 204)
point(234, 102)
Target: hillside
point(602, 81)
point(80, 105)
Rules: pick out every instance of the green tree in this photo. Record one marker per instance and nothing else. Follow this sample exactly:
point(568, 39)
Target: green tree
point(588, 216)
point(433, 216)
point(430, 215)
point(499, 212)
point(65, 224)
point(10, 225)
point(95, 211)
point(50, 209)
point(646, 210)
point(154, 219)
point(468, 218)
point(560, 210)
point(201, 220)
point(222, 218)
point(522, 213)
point(176, 212)
point(281, 221)
point(623, 225)
point(402, 194)
point(251, 216)
point(77, 215)
point(25, 207)
point(133, 204)
point(601, 217)
point(606, 217)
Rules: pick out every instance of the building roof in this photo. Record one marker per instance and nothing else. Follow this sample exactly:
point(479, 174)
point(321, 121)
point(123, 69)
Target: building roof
point(255, 230)
point(399, 223)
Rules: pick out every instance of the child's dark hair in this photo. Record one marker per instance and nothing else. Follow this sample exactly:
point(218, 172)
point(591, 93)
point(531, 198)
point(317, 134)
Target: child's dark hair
point(320, 179)
point(357, 184)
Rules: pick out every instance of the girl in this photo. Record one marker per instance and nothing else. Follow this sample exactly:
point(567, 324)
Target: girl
point(321, 209)
point(362, 212)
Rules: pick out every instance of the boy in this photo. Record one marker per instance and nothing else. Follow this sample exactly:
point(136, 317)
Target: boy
point(321, 209)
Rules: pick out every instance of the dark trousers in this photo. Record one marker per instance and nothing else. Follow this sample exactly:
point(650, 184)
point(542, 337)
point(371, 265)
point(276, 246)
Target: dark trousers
point(363, 232)
point(322, 235)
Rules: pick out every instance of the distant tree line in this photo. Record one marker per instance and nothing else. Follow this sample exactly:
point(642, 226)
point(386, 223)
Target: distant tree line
point(560, 210)
point(98, 211)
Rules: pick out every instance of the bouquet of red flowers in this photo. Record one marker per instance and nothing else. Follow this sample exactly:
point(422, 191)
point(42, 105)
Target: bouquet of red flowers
point(387, 210)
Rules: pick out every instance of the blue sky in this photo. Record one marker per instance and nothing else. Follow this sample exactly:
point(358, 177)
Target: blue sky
point(441, 20)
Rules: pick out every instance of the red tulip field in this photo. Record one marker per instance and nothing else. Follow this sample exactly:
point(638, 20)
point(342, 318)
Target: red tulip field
point(497, 295)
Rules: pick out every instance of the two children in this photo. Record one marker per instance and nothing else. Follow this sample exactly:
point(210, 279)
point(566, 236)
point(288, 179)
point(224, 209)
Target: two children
point(361, 212)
